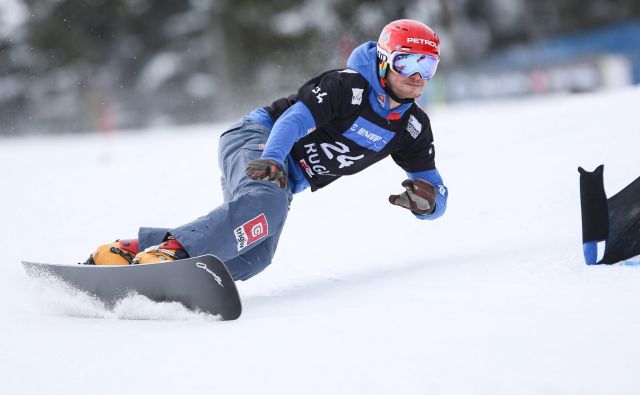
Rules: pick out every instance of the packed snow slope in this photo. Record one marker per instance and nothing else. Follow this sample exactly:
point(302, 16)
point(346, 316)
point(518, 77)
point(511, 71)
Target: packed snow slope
point(362, 298)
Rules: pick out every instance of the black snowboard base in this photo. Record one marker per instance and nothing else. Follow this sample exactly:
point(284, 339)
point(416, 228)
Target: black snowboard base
point(200, 283)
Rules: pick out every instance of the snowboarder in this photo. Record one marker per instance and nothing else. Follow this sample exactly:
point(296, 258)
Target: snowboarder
point(337, 124)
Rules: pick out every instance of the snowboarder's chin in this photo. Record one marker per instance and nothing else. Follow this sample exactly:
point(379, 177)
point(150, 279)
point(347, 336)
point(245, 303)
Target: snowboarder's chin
point(408, 91)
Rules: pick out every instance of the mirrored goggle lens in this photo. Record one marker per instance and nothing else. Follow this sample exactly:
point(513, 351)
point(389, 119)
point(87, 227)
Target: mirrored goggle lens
point(407, 64)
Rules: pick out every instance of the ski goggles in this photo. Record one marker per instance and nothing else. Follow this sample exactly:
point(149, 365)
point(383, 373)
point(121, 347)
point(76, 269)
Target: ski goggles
point(407, 64)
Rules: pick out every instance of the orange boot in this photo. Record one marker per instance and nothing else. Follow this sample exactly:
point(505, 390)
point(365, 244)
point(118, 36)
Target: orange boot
point(169, 250)
point(120, 252)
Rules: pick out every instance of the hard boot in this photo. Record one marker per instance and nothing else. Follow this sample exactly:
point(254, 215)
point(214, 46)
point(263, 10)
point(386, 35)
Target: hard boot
point(169, 250)
point(120, 252)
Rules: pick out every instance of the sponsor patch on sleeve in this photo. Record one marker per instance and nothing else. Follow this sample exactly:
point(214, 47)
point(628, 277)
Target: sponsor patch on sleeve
point(251, 231)
point(356, 97)
point(414, 127)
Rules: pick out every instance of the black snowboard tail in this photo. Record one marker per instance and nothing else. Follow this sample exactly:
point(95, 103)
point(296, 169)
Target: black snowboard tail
point(200, 283)
point(614, 220)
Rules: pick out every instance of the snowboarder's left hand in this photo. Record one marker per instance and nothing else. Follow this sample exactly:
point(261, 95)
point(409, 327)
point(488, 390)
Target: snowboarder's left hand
point(419, 197)
point(267, 169)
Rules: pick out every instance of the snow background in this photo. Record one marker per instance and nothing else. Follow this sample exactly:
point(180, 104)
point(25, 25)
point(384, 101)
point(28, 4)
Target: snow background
point(493, 298)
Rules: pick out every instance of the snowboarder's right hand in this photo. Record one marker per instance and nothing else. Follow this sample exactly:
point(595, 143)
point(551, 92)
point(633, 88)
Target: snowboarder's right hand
point(267, 169)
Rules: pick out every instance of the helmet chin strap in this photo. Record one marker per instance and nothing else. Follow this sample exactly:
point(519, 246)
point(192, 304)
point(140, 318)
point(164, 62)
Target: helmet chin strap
point(385, 85)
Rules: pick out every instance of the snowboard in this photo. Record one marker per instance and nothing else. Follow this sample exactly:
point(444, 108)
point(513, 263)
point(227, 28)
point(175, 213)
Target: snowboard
point(200, 283)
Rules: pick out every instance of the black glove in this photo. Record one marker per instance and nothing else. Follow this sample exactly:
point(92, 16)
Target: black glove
point(419, 197)
point(267, 169)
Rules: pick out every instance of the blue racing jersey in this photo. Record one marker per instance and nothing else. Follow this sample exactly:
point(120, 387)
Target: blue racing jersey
point(340, 123)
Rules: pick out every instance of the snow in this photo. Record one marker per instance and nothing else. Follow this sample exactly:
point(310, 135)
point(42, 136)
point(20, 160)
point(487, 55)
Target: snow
point(493, 298)
point(13, 14)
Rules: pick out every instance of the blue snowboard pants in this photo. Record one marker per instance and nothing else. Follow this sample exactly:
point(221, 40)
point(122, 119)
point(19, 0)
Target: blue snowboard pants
point(244, 231)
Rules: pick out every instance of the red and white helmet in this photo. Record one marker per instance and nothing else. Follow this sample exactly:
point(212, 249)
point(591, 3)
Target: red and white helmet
point(408, 47)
